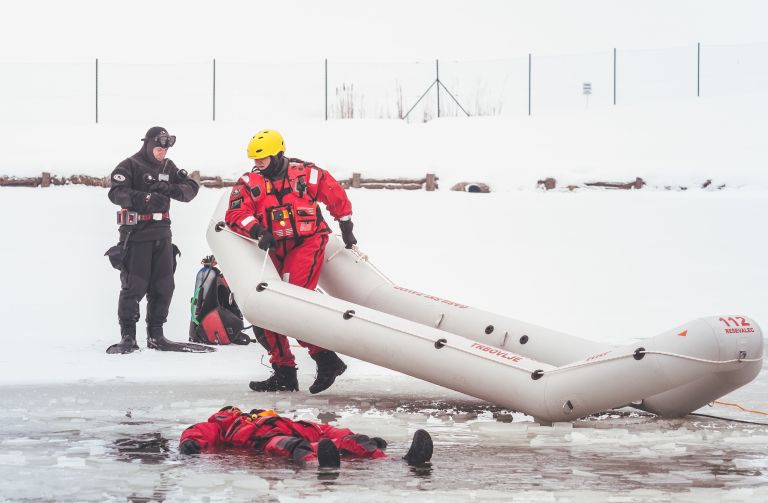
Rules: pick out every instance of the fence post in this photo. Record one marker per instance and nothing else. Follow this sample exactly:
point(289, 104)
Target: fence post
point(97, 90)
point(326, 88)
point(45, 180)
point(529, 83)
point(698, 69)
point(614, 75)
point(431, 182)
point(437, 79)
point(214, 89)
point(356, 180)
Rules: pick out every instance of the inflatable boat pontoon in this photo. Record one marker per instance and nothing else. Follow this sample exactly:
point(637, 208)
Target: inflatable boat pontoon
point(549, 375)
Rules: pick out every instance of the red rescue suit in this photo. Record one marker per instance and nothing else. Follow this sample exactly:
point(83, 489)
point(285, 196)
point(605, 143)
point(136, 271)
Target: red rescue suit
point(288, 208)
point(267, 432)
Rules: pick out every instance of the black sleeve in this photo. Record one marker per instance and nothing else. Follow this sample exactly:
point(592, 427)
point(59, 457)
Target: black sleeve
point(122, 192)
point(184, 188)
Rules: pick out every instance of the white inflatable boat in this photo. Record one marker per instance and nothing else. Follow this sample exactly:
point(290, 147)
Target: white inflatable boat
point(549, 375)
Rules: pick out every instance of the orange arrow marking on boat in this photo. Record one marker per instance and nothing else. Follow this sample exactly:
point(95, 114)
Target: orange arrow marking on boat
point(683, 333)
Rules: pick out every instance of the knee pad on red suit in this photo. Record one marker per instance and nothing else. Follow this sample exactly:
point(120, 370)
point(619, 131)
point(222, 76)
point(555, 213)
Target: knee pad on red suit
point(297, 449)
point(358, 446)
point(328, 431)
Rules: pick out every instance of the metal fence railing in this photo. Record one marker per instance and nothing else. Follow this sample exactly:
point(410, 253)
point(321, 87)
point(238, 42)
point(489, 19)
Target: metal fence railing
point(114, 91)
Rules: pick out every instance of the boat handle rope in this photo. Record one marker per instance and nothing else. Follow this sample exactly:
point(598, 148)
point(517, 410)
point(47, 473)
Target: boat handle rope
point(642, 352)
point(637, 354)
point(361, 257)
point(536, 374)
point(350, 313)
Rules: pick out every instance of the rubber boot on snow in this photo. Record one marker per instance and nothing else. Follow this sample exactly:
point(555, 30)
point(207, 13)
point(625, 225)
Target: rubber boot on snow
point(127, 342)
point(283, 379)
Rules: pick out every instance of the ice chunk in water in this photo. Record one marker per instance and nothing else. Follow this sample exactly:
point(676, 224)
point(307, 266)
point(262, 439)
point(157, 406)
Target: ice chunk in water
point(69, 462)
point(251, 483)
point(13, 458)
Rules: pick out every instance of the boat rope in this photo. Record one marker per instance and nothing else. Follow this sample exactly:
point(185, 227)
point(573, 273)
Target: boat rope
point(637, 354)
point(647, 352)
point(263, 266)
point(440, 343)
point(741, 407)
point(745, 421)
point(361, 257)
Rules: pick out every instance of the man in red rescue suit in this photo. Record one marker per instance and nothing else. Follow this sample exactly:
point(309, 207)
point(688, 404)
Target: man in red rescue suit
point(267, 432)
point(277, 204)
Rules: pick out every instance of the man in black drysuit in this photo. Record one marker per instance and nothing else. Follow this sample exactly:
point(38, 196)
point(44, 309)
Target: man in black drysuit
point(143, 186)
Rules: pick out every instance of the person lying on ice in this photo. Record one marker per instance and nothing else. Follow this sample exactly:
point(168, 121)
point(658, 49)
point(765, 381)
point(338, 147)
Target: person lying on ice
point(265, 431)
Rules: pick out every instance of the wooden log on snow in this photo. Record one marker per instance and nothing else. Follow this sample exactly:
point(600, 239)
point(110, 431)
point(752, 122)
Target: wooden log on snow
point(13, 181)
point(547, 183)
point(91, 181)
point(637, 184)
point(431, 182)
point(392, 186)
point(216, 182)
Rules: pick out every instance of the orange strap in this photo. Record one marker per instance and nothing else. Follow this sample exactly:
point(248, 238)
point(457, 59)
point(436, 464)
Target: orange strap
point(741, 407)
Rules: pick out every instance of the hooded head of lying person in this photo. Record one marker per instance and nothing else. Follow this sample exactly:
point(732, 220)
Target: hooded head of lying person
point(157, 141)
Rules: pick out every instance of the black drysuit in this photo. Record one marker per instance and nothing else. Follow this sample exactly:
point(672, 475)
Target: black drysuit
point(148, 260)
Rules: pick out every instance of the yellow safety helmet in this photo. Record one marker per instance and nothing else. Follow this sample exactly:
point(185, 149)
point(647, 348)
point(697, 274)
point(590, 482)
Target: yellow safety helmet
point(266, 143)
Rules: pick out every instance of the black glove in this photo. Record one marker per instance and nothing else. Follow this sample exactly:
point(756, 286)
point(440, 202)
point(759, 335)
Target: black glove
point(161, 187)
point(346, 233)
point(156, 202)
point(190, 446)
point(266, 240)
point(167, 189)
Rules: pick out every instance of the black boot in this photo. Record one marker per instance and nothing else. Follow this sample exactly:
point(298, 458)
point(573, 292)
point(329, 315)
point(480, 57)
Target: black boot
point(421, 449)
point(127, 342)
point(328, 454)
point(329, 367)
point(284, 379)
point(156, 340)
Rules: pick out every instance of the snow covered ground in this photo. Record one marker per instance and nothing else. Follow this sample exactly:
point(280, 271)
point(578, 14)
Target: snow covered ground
point(78, 424)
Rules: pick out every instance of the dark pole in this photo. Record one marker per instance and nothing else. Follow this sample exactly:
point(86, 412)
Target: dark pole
point(529, 83)
point(437, 79)
point(214, 89)
point(614, 75)
point(698, 69)
point(97, 90)
point(326, 88)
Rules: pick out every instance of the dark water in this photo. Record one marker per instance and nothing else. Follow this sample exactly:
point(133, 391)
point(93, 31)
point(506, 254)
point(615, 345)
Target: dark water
point(118, 442)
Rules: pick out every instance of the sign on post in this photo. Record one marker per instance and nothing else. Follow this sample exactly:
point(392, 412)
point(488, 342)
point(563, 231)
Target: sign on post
point(586, 90)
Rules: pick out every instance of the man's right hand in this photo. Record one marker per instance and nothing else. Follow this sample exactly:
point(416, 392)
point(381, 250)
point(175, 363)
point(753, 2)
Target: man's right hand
point(161, 187)
point(346, 233)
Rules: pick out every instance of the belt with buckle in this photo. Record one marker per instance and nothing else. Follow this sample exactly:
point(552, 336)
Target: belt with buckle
point(127, 217)
point(143, 217)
